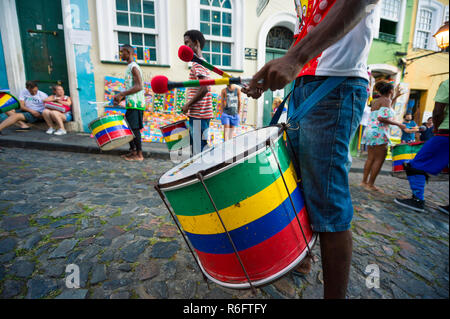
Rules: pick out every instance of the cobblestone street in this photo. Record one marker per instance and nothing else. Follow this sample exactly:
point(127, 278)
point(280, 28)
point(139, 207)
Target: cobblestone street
point(103, 214)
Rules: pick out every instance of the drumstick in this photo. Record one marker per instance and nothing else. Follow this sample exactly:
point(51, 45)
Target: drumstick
point(99, 103)
point(161, 84)
point(186, 54)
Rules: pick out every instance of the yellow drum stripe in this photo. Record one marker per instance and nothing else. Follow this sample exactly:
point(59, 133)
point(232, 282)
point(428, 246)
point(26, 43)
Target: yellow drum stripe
point(107, 125)
point(404, 157)
point(4, 99)
point(176, 136)
point(244, 212)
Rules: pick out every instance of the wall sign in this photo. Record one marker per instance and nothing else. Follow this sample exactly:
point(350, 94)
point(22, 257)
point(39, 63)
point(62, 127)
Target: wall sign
point(251, 54)
point(261, 6)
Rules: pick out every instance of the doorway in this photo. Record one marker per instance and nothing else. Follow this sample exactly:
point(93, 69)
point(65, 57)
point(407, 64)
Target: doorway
point(42, 37)
point(279, 40)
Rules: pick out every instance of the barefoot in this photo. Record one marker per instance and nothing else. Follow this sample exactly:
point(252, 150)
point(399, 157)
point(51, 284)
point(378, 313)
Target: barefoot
point(305, 266)
point(131, 153)
point(374, 188)
point(134, 158)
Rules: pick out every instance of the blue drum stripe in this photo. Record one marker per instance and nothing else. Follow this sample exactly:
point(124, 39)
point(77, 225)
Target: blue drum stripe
point(253, 233)
point(110, 130)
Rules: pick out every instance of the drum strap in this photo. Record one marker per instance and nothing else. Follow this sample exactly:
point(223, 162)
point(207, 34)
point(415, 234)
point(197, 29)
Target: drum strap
point(318, 95)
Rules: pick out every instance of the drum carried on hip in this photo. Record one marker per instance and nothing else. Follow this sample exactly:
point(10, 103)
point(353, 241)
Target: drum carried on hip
point(8, 102)
point(241, 208)
point(176, 135)
point(403, 153)
point(111, 131)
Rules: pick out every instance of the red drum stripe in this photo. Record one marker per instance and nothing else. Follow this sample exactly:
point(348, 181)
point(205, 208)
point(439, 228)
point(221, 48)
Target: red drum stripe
point(263, 260)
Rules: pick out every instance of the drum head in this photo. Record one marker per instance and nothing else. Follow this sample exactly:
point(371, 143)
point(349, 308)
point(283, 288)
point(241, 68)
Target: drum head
point(220, 156)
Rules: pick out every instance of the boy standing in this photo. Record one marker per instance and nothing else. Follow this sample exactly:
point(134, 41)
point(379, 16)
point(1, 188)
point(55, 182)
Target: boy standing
point(231, 100)
point(199, 105)
point(135, 102)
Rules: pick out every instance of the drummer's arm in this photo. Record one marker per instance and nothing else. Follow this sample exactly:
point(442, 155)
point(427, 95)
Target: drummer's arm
point(438, 115)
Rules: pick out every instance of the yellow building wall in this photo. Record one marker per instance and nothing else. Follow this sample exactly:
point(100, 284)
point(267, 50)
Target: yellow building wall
point(178, 70)
point(426, 74)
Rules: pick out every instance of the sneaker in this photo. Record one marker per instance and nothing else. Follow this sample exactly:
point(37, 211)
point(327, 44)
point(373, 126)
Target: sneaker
point(50, 131)
point(443, 209)
point(412, 203)
point(60, 132)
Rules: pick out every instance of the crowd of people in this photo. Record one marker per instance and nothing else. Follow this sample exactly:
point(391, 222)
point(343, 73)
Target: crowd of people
point(36, 106)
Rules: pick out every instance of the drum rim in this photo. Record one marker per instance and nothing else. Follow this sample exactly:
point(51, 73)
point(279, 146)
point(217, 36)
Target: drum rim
point(103, 116)
point(216, 169)
point(178, 122)
point(267, 280)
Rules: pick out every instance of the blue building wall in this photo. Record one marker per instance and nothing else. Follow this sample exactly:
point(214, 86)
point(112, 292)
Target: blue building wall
point(3, 77)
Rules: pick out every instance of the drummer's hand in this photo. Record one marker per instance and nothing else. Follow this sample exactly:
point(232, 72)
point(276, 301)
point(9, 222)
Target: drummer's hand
point(118, 98)
point(185, 108)
point(274, 75)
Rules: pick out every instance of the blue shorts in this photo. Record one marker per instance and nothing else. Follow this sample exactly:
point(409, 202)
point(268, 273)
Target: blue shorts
point(69, 116)
point(232, 120)
point(433, 156)
point(322, 146)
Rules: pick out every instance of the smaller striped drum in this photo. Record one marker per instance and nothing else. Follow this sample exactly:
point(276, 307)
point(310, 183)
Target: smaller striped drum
point(111, 131)
point(8, 102)
point(176, 135)
point(402, 153)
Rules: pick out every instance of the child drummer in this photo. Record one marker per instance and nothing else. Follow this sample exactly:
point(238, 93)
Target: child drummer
point(199, 105)
point(135, 102)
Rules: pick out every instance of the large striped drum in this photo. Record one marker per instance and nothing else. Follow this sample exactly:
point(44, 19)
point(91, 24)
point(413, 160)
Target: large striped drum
point(176, 135)
point(402, 153)
point(111, 131)
point(8, 102)
point(254, 236)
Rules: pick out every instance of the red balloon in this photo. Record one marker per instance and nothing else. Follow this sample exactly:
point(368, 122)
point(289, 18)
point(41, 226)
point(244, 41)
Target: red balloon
point(185, 53)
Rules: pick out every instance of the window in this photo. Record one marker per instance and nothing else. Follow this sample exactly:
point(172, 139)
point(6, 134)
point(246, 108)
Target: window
point(429, 18)
point(446, 15)
point(390, 18)
point(139, 16)
point(142, 24)
point(216, 23)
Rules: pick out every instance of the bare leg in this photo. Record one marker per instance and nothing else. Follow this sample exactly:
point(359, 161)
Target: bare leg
point(11, 120)
point(226, 132)
point(336, 251)
point(59, 119)
point(48, 118)
point(380, 152)
point(368, 166)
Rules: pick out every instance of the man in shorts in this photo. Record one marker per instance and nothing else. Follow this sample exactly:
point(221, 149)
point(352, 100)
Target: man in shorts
point(231, 101)
point(333, 40)
point(31, 108)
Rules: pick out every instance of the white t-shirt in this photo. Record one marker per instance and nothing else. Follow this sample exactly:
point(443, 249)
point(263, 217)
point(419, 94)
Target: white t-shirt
point(348, 57)
point(366, 116)
point(34, 102)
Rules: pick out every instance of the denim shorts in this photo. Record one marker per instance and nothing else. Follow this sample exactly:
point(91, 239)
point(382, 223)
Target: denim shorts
point(321, 144)
point(232, 120)
point(29, 117)
point(69, 116)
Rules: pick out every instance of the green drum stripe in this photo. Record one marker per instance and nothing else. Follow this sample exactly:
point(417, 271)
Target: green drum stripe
point(105, 120)
point(9, 108)
point(247, 179)
point(179, 144)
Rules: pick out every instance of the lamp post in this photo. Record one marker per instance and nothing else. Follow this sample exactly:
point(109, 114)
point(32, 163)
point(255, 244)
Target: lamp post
point(442, 37)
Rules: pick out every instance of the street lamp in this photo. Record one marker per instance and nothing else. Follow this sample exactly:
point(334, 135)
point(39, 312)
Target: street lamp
point(442, 37)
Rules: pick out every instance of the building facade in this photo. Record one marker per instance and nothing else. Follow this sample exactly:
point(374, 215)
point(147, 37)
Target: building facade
point(76, 43)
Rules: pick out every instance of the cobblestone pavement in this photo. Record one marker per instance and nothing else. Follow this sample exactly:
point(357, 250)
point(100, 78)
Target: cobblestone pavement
point(102, 214)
